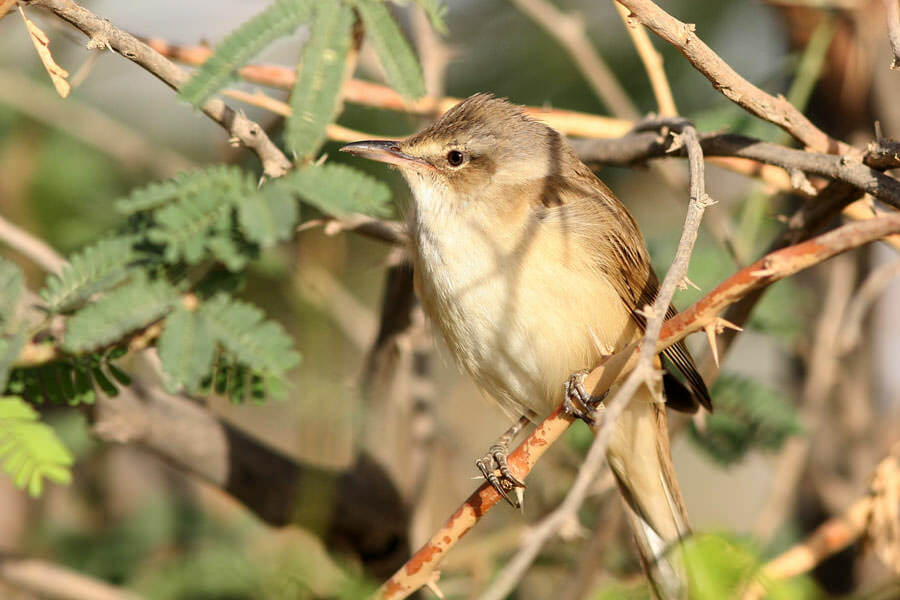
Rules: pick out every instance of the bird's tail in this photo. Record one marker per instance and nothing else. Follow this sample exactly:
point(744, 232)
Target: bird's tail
point(640, 459)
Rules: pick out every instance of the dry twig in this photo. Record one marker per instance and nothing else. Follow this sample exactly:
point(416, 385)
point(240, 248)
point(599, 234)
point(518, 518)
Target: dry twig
point(771, 268)
point(726, 80)
point(104, 34)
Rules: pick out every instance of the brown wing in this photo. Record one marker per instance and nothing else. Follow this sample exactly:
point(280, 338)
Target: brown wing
point(622, 256)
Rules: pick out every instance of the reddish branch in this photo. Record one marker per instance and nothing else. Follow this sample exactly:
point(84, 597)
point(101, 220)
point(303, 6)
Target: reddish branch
point(420, 569)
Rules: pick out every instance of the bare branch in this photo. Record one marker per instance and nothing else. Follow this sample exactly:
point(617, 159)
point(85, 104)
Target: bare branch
point(892, 10)
point(568, 30)
point(48, 580)
point(653, 63)
point(36, 249)
point(103, 34)
point(767, 270)
point(726, 80)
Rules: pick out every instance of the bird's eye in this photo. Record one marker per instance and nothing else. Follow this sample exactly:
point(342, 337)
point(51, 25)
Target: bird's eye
point(455, 158)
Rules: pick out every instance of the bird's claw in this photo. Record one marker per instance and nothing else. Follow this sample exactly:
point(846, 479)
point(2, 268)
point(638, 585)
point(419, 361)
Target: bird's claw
point(579, 403)
point(492, 463)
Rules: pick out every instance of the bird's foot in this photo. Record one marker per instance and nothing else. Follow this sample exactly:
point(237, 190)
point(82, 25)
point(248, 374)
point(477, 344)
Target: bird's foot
point(495, 469)
point(579, 403)
point(494, 462)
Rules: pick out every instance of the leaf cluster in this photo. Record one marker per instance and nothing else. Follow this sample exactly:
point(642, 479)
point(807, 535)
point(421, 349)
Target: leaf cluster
point(325, 62)
point(748, 416)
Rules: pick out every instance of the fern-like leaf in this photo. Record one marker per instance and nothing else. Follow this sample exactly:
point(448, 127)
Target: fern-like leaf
point(30, 450)
point(264, 346)
point(320, 75)
point(201, 209)
point(269, 215)
point(339, 189)
point(281, 18)
point(186, 350)
point(123, 310)
point(400, 63)
point(94, 269)
point(12, 286)
point(748, 415)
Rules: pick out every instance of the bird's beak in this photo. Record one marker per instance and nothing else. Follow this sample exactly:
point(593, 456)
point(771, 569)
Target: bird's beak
point(387, 151)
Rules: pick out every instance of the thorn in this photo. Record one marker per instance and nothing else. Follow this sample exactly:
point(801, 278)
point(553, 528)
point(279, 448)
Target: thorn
point(686, 283)
point(722, 324)
point(711, 330)
point(520, 498)
point(321, 160)
point(433, 586)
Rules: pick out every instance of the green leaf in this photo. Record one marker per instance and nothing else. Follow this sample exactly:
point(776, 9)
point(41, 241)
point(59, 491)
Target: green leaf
point(201, 211)
point(186, 350)
point(94, 269)
point(339, 189)
point(123, 310)
point(12, 286)
point(747, 415)
point(268, 216)
point(400, 63)
point(264, 346)
point(436, 11)
point(320, 75)
point(30, 450)
point(281, 18)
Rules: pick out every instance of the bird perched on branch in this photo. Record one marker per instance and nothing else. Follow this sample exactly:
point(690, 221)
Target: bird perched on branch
point(534, 271)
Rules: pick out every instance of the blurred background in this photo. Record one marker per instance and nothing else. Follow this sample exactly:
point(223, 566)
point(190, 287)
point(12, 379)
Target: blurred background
point(130, 519)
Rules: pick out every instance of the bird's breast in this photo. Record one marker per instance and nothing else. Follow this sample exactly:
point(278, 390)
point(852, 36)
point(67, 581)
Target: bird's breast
point(520, 307)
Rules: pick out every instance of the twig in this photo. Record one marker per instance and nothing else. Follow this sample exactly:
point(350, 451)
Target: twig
point(892, 8)
point(643, 374)
point(36, 249)
point(837, 533)
point(48, 580)
point(822, 370)
point(376, 95)
point(726, 80)
point(869, 291)
point(653, 63)
point(89, 125)
point(643, 145)
point(568, 30)
point(771, 268)
point(104, 34)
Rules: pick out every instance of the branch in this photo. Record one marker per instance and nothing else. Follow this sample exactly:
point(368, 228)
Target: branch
point(643, 374)
point(569, 31)
point(368, 516)
point(773, 267)
point(104, 34)
point(48, 580)
point(892, 10)
point(36, 249)
point(643, 145)
point(653, 64)
point(726, 80)
point(376, 95)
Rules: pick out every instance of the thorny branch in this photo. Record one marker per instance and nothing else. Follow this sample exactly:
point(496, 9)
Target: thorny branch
point(726, 80)
point(642, 374)
point(773, 267)
point(104, 34)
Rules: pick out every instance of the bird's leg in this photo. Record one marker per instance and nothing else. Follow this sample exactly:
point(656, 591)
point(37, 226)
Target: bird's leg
point(495, 460)
point(579, 403)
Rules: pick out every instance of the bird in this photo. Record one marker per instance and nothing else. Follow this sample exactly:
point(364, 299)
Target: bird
point(533, 271)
